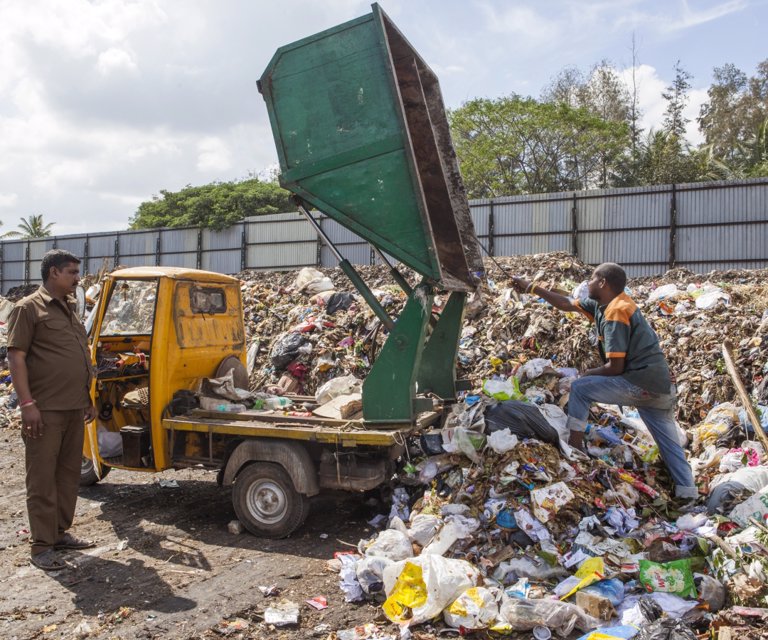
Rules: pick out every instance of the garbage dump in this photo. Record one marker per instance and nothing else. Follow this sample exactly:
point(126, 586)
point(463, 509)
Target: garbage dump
point(495, 524)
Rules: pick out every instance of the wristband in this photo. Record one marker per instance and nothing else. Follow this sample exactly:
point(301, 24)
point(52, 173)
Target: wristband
point(27, 404)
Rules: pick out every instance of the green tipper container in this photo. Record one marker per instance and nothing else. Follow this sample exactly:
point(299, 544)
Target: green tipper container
point(361, 133)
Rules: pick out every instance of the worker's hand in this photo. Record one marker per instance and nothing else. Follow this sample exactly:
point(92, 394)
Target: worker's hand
point(90, 414)
point(31, 421)
point(520, 284)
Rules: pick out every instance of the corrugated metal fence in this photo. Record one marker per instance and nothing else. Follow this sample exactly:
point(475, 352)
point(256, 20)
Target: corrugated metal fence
point(701, 226)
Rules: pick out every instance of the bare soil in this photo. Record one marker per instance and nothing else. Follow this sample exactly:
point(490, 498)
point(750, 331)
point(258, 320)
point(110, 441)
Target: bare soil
point(165, 564)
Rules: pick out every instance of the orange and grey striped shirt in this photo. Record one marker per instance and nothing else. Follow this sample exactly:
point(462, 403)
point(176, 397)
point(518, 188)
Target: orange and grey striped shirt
point(623, 332)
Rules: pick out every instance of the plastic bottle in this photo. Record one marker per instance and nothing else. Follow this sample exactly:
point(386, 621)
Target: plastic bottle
point(277, 402)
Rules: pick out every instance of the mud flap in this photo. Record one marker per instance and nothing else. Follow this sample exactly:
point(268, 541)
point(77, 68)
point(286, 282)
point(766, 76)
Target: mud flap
point(292, 456)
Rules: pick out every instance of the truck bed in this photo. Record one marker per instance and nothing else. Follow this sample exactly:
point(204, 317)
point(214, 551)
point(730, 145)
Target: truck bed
point(274, 424)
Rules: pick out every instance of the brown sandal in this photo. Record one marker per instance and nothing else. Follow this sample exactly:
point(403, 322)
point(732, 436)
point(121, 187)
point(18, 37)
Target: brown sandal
point(47, 561)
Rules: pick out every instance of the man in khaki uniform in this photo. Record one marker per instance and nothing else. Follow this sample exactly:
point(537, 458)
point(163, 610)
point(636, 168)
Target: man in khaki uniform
point(51, 371)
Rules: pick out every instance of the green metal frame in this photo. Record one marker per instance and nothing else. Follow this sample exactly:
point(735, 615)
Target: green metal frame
point(411, 360)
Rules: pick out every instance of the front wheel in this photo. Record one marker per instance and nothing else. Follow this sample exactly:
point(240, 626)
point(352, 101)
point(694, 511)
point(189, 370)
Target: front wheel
point(88, 474)
point(266, 502)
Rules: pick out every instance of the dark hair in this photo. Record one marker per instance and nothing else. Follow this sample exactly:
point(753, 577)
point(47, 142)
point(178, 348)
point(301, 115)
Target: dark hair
point(614, 275)
point(56, 258)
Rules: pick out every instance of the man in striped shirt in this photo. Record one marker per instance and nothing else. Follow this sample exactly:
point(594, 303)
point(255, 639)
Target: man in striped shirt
point(634, 373)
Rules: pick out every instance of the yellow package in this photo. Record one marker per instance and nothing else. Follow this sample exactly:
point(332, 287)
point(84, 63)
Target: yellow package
point(591, 570)
point(409, 592)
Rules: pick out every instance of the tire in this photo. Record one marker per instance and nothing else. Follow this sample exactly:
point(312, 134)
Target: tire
point(266, 502)
point(88, 475)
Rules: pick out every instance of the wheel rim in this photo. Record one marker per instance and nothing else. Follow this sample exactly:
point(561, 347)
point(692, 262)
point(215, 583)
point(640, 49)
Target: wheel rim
point(86, 465)
point(267, 501)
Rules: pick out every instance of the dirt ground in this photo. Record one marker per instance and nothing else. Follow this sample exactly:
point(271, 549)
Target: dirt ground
point(165, 564)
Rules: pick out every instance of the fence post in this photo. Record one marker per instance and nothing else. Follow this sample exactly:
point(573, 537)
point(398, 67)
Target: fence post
point(319, 256)
point(26, 263)
point(116, 262)
point(673, 228)
point(199, 260)
point(491, 230)
point(2, 262)
point(159, 248)
point(55, 243)
point(244, 246)
point(575, 227)
point(86, 250)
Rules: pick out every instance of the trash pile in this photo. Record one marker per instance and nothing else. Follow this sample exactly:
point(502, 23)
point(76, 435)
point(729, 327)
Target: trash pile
point(496, 524)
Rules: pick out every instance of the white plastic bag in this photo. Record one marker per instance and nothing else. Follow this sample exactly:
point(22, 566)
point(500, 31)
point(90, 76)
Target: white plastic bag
point(662, 292)
point(312, 281)
point(502, 441)
point(476, 608)
point(370, 572)
point(110, 442)
point(420, 588)
point(335, 387)
point(561, 617)
point(423, 528)
point(392, 544)
point(534, 368)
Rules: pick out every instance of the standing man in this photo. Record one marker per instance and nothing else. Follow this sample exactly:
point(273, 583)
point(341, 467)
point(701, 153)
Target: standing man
point(634, 372)
point(51, 371)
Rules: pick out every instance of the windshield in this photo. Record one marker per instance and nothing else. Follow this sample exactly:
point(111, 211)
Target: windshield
point(131, 308)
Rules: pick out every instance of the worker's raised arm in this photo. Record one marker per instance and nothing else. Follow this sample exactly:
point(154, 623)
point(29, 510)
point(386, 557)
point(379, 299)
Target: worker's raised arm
point(557, 300)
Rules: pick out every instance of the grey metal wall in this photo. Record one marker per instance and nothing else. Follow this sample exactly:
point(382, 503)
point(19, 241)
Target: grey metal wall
point(702, 226)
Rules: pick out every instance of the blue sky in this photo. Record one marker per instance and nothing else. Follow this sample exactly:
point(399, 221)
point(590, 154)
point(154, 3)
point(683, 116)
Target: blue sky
point(105, 103)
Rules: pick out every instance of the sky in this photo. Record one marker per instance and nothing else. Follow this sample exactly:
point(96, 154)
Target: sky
point(104, 103)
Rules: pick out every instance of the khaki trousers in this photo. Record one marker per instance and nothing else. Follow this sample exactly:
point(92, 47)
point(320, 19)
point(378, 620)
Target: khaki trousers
point(53, 476)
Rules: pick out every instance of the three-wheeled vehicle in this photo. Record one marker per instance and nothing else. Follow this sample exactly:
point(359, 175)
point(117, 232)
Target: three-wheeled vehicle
point(361, 135)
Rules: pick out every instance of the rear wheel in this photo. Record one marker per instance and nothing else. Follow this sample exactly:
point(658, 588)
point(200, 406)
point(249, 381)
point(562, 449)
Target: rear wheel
point(266, 502)
point(88, 474)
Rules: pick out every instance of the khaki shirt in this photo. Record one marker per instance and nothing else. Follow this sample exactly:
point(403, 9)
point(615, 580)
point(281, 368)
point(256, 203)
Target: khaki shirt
point(56, 344)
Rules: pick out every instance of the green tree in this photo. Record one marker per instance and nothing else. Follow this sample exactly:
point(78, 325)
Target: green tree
point(603, 94)
point(217, 206)
point(31, 227)
point(515, 145)
point(676, 96)
point(733, 118)
point(662, 158)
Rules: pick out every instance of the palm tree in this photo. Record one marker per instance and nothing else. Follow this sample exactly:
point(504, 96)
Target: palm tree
point(31, 227)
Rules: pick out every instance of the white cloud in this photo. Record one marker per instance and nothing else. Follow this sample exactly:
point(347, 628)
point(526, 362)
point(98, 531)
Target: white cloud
point(650, 86)
point(213, 155)
point(114, 60)
point(8, 199)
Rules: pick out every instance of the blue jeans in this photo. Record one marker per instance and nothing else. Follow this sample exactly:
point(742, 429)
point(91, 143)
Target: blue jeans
point(656, 410)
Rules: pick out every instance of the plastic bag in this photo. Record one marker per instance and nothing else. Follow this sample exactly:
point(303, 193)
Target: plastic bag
point(613, 589)
point(535, 368)
point(560, 617)
point(455, 528)
point(110, 442)
point(662, 292)
point(286, 349)
point(673, 577)
point(501, 390)
point(502, 441)
point(667, 629)
point(348, 582)
point(420, 588)
point(370, 571)
point(476, 608)
point(547, 501)
point(341, 386)
point(312, 281)
point(710, 591)
point(522, 419)
point(391, 544)
point(423, 528)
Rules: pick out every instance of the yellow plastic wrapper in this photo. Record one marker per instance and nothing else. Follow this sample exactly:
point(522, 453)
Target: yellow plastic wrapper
point(476, 608)
point(591, 570)
point(410, 592)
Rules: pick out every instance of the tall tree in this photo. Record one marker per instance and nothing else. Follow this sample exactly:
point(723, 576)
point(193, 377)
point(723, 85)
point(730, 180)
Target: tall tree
point(218, 205)
point(733, 115)
point(517, 145)
point(31, 227)
point(603, 94)
point(677, 97)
